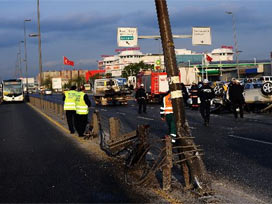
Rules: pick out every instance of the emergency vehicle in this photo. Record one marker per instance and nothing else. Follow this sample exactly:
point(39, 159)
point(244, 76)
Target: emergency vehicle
point(155, 84)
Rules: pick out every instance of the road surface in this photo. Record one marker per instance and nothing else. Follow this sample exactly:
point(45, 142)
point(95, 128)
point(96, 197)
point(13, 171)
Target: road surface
point(40, 164)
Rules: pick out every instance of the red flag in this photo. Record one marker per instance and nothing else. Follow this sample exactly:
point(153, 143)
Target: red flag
point(66, 61)
point(208, 58)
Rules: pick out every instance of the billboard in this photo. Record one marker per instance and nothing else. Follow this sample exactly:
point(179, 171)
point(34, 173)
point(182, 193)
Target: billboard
point(116, 73)
point(56, 83)
point(201, 36)
point(29, 80)
point(127, 37)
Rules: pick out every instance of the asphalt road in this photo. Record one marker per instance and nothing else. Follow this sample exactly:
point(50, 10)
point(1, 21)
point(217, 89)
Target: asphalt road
point(40, 164)
point(238, 150)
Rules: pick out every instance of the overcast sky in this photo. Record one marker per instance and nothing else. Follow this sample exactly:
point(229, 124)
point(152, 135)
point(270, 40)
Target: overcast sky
point(83, 30)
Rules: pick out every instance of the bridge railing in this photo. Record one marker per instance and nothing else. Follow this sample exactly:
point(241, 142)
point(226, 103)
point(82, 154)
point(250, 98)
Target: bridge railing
point(49, 107)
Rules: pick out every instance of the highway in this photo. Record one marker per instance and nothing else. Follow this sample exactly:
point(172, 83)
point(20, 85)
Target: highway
point(39, 164)
point(238, 151)
point(235, 150)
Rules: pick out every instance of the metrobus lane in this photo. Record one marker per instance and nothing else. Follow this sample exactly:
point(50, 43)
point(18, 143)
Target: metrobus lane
point(39, 163)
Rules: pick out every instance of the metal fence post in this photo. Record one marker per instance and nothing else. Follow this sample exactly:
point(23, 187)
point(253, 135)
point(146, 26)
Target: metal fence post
point(114, 128)
point(94, 123)
point(55, 108)
point(60, 111)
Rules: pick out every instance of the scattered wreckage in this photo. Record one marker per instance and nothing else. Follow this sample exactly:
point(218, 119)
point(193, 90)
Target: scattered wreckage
point(257, 95)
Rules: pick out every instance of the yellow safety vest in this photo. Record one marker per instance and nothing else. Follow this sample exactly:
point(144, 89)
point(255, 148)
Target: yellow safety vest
point(167, 105)
point(70, 100)
point(81, 106)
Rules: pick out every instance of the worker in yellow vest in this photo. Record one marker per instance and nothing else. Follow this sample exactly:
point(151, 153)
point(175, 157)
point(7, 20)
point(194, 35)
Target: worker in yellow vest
point(82, 110)
point(166, 112)
point(69, 107)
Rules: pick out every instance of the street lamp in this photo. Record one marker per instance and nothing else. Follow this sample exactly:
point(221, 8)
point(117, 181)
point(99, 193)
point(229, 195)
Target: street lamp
point(235, 42)
point(26, 20)
point(20, 58)
point(40, 44)
point(39, 39)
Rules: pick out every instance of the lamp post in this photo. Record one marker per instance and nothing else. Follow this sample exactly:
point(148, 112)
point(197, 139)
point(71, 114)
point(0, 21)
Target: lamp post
point(39, 39)
point(20, 58)
point(235, 42)
point(26, 75)
point(40, 44)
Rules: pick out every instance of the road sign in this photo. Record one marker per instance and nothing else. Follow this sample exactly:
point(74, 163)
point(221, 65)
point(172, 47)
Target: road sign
point(127, 37)
point(201, 36)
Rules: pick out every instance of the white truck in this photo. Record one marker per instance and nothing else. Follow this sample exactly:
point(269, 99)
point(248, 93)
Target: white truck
point(107, 91)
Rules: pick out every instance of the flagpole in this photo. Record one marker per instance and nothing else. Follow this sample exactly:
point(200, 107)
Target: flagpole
point(206, 68)
point(202, 70)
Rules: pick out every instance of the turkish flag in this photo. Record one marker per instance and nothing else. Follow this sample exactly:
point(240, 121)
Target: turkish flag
point(66, 61)
point(208, 58)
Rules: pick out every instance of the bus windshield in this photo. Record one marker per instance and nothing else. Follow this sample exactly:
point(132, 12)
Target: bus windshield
point(12, 89)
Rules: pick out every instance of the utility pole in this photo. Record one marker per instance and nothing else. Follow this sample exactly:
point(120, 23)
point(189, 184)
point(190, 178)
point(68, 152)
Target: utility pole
point(194, 162)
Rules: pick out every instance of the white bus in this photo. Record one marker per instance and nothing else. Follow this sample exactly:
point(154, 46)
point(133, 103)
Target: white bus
point(13, 90)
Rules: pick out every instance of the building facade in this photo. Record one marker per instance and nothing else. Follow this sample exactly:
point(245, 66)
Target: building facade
point(65, 75)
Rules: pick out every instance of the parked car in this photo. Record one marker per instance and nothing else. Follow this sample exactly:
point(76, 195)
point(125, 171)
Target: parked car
point(48, 92)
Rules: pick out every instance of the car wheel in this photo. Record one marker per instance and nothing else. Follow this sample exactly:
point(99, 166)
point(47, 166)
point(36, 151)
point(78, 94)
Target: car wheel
point(267, 88)
point(218, 90)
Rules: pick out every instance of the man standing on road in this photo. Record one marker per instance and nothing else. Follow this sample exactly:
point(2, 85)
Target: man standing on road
point(166, 112)
point(69, 107)
point(82, 110)
point(237, 99)
point(141, 99)
point(185, 94)
point(194, 96)
point(206, 94)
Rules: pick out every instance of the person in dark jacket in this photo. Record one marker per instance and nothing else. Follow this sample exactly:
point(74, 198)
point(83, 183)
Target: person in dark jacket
point(140, 96)
point(236, 97)
point(194, 96)
point(206, 94)
point(82, 110)
point(184, 93)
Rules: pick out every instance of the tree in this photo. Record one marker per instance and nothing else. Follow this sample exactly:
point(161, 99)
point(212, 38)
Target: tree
point(48, 83)
point(135, 68)
point(78, 81)
point(68, 85)
point(108, 75)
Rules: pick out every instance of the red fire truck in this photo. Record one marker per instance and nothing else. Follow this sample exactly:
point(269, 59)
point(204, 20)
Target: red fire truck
point(155, 84)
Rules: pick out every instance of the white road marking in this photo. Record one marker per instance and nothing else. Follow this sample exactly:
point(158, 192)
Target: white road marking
point(145, 118)
point(249, 139)
point(120, 113)
point(103, 110)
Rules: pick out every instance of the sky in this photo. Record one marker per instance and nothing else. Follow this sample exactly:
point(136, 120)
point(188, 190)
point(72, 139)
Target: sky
point(83, 30)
